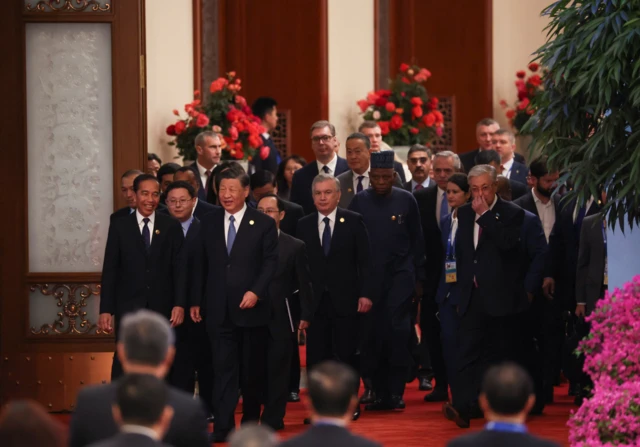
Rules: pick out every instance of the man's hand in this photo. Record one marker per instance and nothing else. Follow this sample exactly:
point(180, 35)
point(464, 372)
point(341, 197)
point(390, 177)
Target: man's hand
point(549, 288)
point(581, 310)
point(249, 300)
point(419, 290)
point(195, 314)
point(364, 305)
point(303, 325)
point(105, 323)
point(479, 205)
point(177, 316)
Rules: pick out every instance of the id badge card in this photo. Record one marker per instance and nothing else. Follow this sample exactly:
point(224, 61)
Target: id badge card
point(605, 278)
point(450, 271)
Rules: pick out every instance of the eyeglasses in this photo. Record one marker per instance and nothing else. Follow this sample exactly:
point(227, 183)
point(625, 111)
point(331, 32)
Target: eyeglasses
point(321, 139)
point(182, 202)
point(268, 210)
point(415, 160)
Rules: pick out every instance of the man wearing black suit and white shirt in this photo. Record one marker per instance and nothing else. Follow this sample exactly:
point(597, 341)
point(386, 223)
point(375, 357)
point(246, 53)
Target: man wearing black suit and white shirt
point(324, 144)
point(145, 346)
point(339, 258)
point(209, 148)
point(484, 134)
point(433, 206)
point(491, 286)
point(419, 163)
point(143, 264)
point(129, 195)
point(504, 143)
point(240, 257)
point(372, 130)
point(263, 183)
point(289, 312)
point(201, 207)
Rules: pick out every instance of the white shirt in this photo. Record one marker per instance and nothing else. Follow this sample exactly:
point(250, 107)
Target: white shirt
point(152, 219)
point(476, 227)
point(194, 207)
point(203, 176)
point(266, 135)
point(454, 229)
point(547, 213)
point(238, 219)
point(441, 196)
point(424, 184)
point(577, 208)
point(332, 222)
point(507, 168)
point(365, 181)
point(331, 165)
point(140, 430)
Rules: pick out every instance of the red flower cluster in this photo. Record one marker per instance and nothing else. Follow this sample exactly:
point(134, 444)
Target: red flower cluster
point(527, 88)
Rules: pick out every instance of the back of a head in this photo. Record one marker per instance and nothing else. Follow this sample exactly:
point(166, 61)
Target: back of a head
point(332, 386)
point(25, 423)
point(253, 435)
point(488, 157)
point(147, 337)
point(141, 399)
point(262, 178)
point(507, 388)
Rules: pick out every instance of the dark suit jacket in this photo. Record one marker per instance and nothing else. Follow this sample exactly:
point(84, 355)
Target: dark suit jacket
point(407, 185)
point(534, 248)
point(490, 438)
point(123, 212)
point(345, 273)
point(292, 214)
point(271, 162)
point(302, 180)
point(468, 159)
point(225, 278)
point(496, 262)
point(133, 279)
point(328, 435)
point(519, 172)
point(590, 265)
point(445, 289)
point(202, 192)
point(93, 420)
point(434, 251)
point(397, 166)
point(128, 440)
point(527, 202)
point(517, 189)
point(292, 274)
point(203, 208)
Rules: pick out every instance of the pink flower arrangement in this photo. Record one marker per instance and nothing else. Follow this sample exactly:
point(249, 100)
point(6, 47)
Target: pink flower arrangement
point(612, 415)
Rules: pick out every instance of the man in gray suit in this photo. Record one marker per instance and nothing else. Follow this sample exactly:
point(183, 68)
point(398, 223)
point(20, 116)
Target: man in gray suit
point(591, 273)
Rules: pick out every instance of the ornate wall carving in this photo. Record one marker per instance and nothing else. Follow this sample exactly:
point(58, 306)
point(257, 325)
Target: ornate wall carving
point(446, 106)
point(68, 6)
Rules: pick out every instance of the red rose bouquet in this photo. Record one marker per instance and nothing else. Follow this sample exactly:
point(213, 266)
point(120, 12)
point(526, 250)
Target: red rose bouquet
point(405, 112)
point(224, 112)
point(527, 87)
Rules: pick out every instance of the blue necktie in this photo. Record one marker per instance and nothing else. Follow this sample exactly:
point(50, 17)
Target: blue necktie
point(359, 187)
point(231, 236)
point(326, 236)
point(444, 207)
point(325, 169)
point(146, 235)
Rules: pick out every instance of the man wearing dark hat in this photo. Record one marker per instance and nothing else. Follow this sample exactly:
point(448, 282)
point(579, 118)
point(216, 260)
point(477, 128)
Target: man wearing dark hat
point(393, 220)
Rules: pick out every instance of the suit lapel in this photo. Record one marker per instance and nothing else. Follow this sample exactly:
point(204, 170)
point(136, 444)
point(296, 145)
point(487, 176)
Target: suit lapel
point(160, 229)
point(315, 241)
point(337, 231)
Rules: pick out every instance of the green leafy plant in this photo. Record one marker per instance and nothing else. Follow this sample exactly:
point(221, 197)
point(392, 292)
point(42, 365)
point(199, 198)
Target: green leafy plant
point(587, 117)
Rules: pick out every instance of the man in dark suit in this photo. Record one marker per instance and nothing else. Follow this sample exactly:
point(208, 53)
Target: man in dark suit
point(165, 177)
point(433, 206)
point(484, 134)
point(143, 264)
point(490, 285)
point(419, 163)
point(338, 247)
point(372, 130)
point(506, 398)
point(209, 148)
point(265, 109)
point(240, 257)
point(202, 207)
point(129, 195)
point(263, 183)
point(504, 143)
point(323, 143)
point(141, 411)
point(492, 158)
point(193, 350)
point(333, 399)
point(290, 311)
point(145, 346)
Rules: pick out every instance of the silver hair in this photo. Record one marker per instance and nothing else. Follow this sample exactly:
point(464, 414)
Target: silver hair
point(253, 435)
point(479, 170)
point(146, 336)
point(207, 133)
point(321, 125)
point(487, 122)
point(448, 154)
point(323, 178)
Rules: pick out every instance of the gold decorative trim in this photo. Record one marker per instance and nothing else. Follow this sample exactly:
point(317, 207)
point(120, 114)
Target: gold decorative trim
point(68, 5)
point(72, 313)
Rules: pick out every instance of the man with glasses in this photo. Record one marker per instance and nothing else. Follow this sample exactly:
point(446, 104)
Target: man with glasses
point(290, 311)
point(144, 266)
point(419, 163)
point(323, 143)
point(201, 207)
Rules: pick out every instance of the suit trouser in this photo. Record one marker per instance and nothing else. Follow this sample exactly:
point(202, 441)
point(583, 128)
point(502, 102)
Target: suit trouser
point(235, 346)
point(279, 353)
point(551, 336)
point(449, 321)
point(294, 370)
point(430, 328)
point(116, 366)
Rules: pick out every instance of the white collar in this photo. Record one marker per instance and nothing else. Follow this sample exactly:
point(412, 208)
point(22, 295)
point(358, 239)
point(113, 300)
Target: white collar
point(331, 216)
point(424, 184)
point(202, 170)
point(238, 215)
point(140, 217)
point(332, 165)
point(266, 135)
point(140, 430)
point(194, 207)
point(337, 422)
point(364, 174)
point(508, 165)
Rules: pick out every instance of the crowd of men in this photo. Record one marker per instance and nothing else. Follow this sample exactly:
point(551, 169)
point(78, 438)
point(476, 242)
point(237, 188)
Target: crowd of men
point(358, 258)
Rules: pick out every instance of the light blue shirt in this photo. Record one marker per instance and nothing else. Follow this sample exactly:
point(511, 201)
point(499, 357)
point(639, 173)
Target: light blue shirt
point(186, 224)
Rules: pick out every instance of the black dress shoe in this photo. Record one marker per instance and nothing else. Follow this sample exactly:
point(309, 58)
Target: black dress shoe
point(452, 414)
point(379, 405)
point(356, 414)
point(397, 402)
point(368, 397)
point(218, 437)
point(294, 397)
point(306, 421)
point(425, 384)
point(437, 395)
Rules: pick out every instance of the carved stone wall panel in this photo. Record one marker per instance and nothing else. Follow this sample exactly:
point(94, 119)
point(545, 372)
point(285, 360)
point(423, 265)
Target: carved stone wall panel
point(282, 133)
point(68, 5)
point(70, 151)
point(446, 142)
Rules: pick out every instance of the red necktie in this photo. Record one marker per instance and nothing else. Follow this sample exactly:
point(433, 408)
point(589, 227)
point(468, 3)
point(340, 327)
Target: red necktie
point(418, 187)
